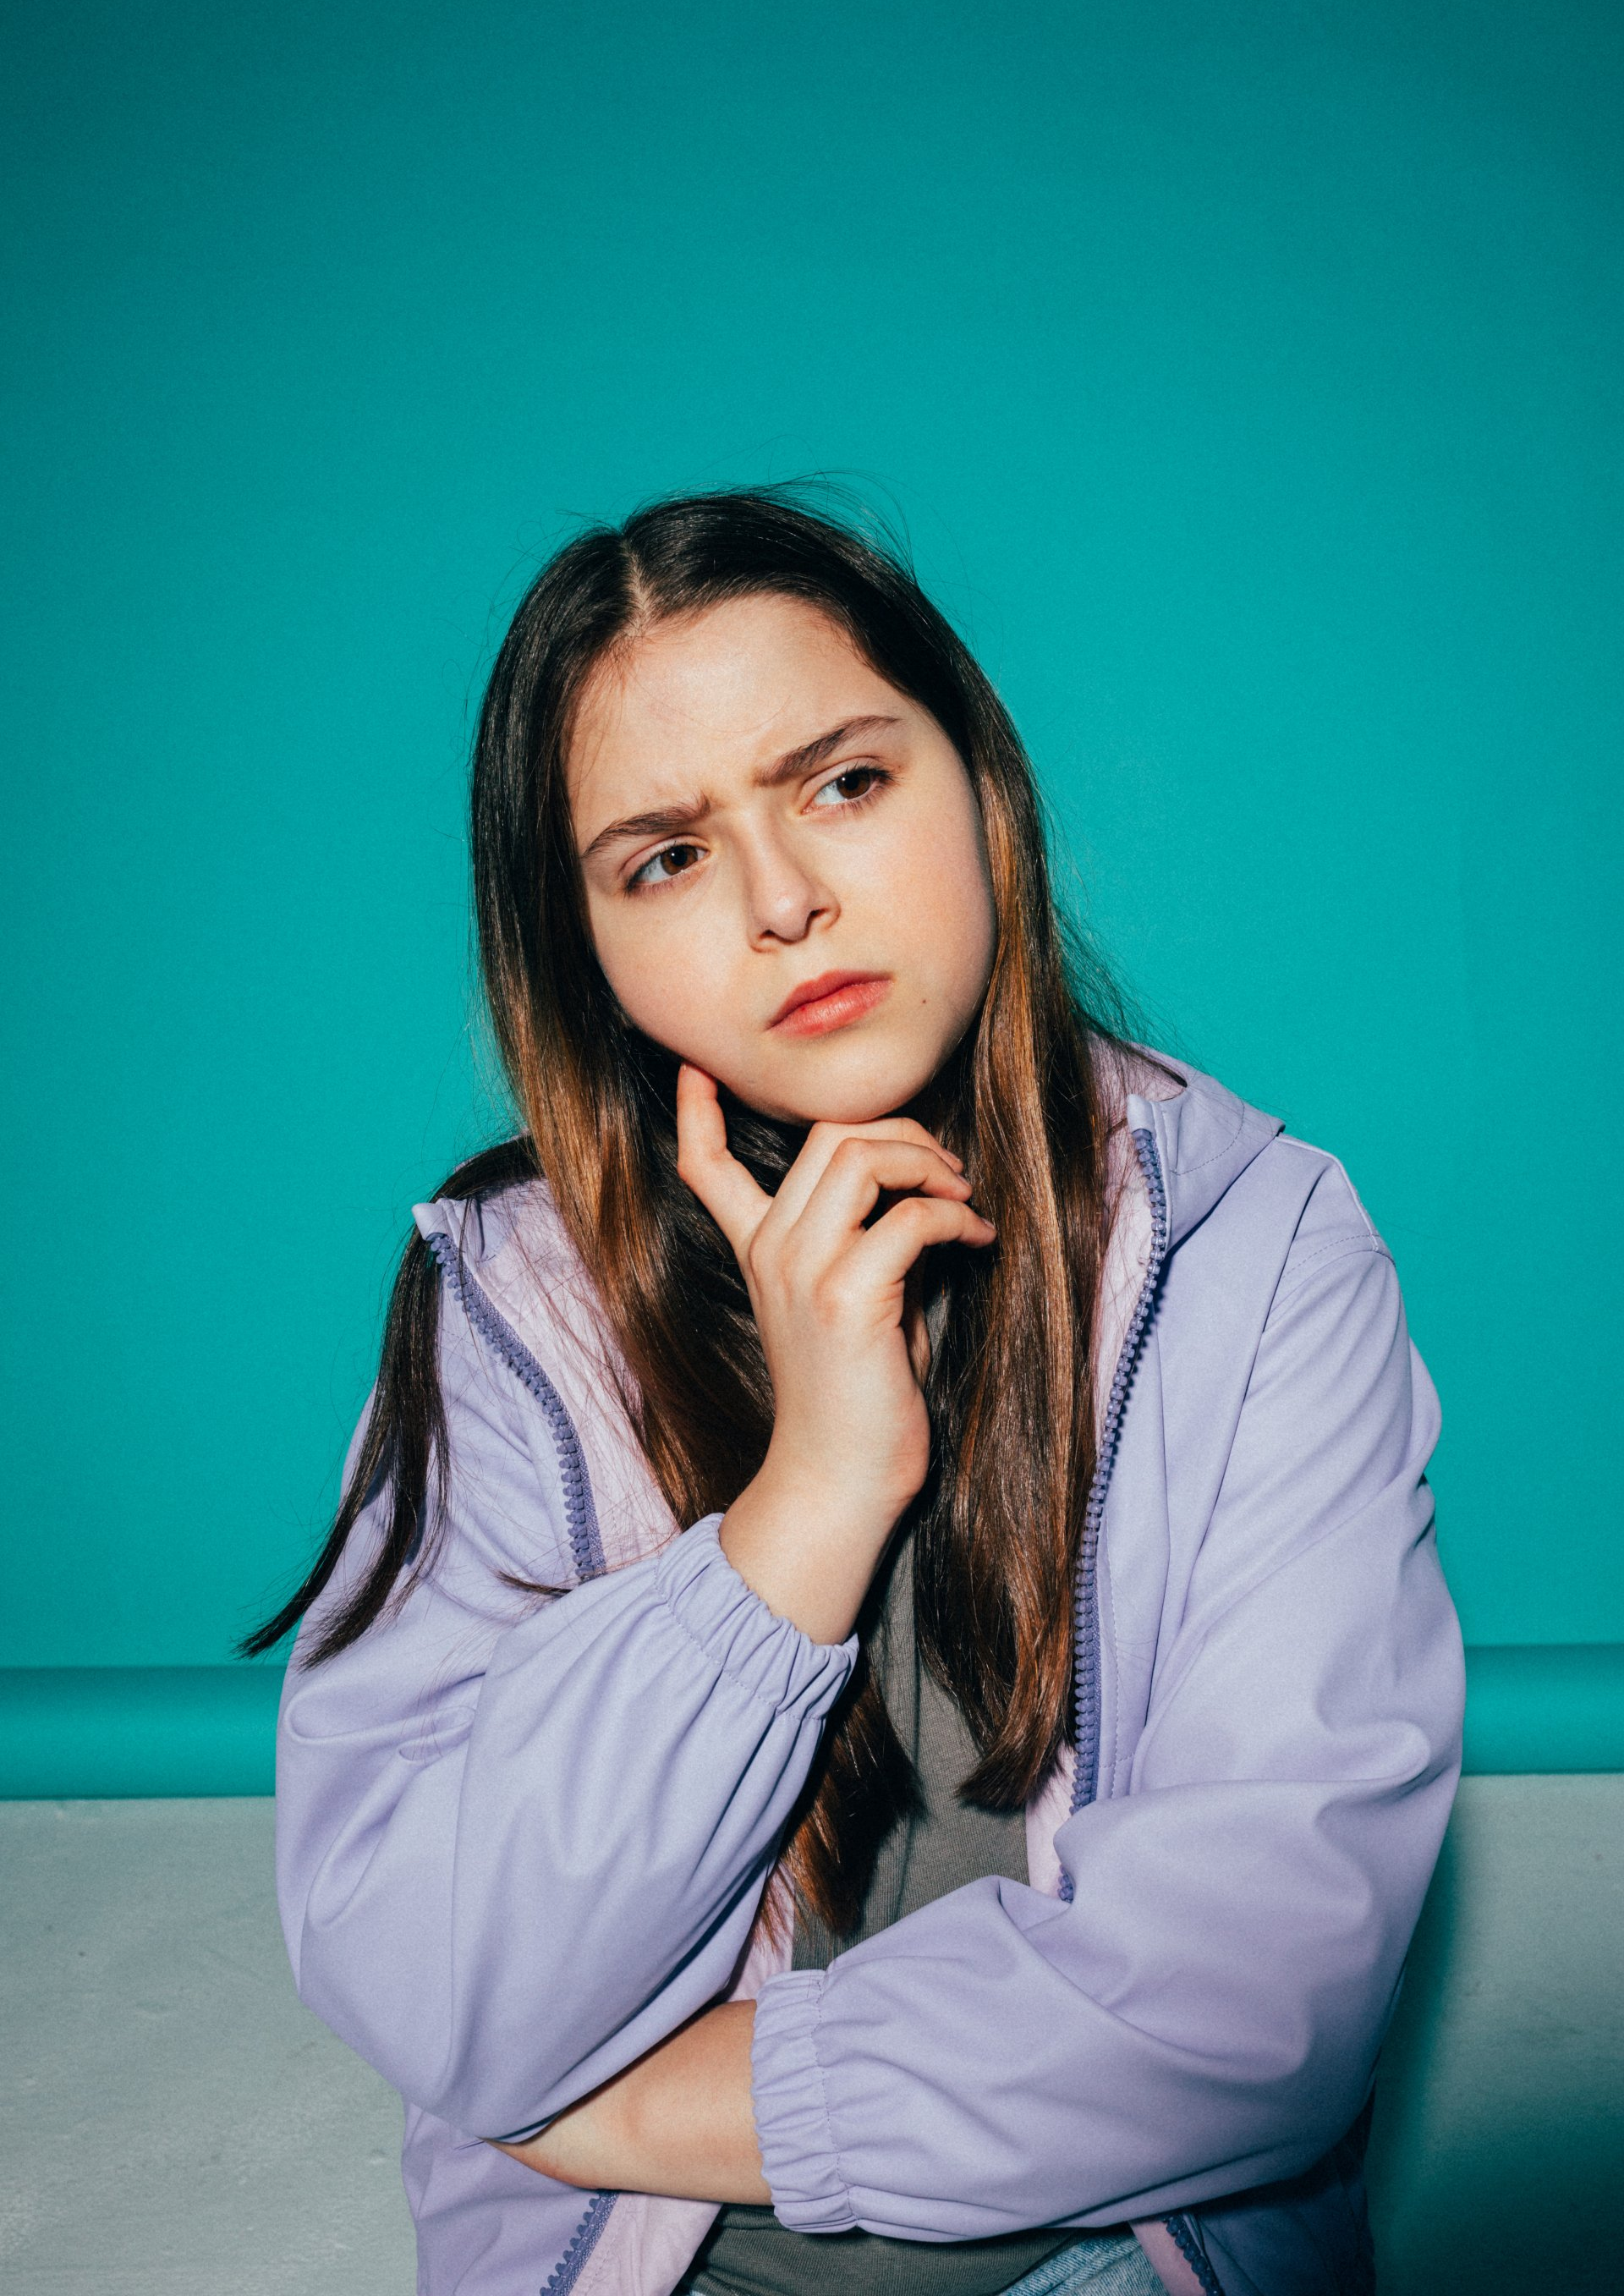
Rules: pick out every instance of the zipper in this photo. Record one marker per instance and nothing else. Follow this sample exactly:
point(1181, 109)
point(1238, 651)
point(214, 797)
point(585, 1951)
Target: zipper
point(583, 2240)
point(580, 1511)
point(1086, 1677)
point(1086, 1674)
point(1189, 2244)
point(586, 1551)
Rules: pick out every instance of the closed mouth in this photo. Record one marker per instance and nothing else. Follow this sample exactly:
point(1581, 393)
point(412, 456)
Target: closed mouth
point(830, 1001)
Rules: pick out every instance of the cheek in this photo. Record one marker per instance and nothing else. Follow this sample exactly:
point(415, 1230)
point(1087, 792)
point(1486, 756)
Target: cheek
point(671, 983)
point(940, 886)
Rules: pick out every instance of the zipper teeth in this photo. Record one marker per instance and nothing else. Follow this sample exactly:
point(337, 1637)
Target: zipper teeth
point(1086, 1679)
point(586, 1547)
point(1193, 2254)
point(1087, 1675)
point(580, 1511)
point(571, 2264)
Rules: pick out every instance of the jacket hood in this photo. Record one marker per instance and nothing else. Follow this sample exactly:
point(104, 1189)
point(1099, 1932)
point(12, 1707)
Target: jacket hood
point(1205, 1138)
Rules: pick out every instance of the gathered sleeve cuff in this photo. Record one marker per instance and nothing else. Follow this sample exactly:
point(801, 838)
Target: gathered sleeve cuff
point(797, 2154)
point(766, 1655)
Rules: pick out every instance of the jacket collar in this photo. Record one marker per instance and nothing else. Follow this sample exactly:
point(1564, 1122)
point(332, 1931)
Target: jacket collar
point(1205, 1138)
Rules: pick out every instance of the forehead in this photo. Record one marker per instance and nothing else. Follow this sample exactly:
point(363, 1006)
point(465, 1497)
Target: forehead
point(714, 694)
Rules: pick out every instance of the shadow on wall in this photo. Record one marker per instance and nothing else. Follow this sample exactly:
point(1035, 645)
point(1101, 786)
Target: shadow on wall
point(1497, 2154)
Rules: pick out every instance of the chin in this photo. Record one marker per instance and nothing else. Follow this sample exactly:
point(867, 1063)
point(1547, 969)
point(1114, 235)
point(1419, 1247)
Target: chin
point(868, 1091)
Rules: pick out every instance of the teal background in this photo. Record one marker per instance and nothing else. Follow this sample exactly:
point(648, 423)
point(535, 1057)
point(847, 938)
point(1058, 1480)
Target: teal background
point(1249, 382)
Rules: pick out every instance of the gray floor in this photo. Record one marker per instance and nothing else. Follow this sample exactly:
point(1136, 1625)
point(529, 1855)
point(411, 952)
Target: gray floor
point(173, 2123)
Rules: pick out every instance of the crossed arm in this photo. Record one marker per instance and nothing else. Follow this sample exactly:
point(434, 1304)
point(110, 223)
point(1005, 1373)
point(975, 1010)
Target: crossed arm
point(677, 2122)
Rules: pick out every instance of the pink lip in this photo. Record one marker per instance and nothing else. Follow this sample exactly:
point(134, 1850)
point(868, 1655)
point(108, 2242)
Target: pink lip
point(831, 1001)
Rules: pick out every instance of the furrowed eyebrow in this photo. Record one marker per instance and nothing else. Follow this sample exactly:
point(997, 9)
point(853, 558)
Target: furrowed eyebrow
point(810, 754)
point(670, 820)
point(666, 823)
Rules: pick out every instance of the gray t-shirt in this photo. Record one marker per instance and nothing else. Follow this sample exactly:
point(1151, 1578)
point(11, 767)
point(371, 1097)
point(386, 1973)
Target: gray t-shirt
point(946, 1843)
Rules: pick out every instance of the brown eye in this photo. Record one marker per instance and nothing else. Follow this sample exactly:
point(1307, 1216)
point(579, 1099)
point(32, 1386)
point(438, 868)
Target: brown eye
point(670, 861)
point(841, 788)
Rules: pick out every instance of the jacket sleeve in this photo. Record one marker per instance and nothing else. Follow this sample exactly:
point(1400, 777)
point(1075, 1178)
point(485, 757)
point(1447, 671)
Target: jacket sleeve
point(517, 1844)
point(1204, 2016)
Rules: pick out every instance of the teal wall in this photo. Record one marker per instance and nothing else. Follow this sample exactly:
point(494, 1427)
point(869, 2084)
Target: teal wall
point(1250, 380)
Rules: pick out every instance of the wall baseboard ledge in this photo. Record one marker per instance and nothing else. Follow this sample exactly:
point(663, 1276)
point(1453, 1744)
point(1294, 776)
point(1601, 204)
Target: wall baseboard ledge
point(135, 1733)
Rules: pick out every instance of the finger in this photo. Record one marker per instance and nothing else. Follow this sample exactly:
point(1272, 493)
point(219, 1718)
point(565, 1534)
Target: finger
point(795, 1189)
point(883, 1254)
point(852, 1183)
point(730, 1195)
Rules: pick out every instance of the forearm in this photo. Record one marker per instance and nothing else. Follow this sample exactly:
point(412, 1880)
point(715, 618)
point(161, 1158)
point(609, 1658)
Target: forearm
point(677, 2122)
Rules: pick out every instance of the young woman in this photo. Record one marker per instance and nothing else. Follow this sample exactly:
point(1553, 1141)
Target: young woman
point(880, 1705)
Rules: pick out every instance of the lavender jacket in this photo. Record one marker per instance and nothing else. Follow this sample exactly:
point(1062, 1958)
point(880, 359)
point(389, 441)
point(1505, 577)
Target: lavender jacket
point(518, 1843)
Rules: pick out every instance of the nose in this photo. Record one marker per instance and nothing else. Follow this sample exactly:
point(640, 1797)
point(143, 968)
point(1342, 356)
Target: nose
point(784, 897)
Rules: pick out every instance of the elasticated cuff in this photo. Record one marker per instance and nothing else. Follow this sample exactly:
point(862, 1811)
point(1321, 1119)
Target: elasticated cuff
point(798, 2157)
point(768, 1655)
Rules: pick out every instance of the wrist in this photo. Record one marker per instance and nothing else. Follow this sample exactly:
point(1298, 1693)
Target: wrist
point(807, 1553)
point(853, 1510)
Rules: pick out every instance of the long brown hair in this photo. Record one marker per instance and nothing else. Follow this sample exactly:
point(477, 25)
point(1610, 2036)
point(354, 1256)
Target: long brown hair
point(998, 1526)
